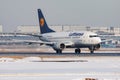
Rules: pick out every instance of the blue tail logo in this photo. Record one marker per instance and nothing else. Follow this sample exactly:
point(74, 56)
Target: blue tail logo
point(42, 22)
point(43, 25)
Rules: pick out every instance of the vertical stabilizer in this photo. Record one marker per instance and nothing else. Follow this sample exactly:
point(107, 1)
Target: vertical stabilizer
point(43, 25)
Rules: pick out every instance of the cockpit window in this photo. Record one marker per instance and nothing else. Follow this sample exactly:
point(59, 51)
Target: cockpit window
point(93, 36)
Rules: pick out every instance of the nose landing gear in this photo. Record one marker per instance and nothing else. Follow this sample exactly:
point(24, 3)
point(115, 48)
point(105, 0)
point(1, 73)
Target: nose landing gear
point(92, 51)
point(92, 48)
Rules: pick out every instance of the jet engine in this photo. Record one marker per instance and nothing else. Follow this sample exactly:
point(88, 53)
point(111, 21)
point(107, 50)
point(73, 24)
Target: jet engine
point(59, 46)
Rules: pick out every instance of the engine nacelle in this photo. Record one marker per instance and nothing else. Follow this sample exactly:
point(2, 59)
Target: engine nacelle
point(96, 47)
point(59, 46)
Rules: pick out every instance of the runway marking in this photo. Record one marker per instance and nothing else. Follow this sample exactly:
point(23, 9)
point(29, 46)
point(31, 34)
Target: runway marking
point(59, 74)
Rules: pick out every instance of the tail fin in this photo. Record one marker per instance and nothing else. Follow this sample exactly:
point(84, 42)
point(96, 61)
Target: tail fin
point(43, 25)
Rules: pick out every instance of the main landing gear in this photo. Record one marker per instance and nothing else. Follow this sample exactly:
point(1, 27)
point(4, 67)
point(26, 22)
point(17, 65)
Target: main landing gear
point(92, 49)
point(77, 51)
point(59, 51)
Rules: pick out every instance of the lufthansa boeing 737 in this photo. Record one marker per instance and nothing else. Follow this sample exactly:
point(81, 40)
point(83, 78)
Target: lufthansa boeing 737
point(61, 40)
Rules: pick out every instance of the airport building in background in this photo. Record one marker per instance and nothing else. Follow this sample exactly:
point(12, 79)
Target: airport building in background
point(59, 28)
point(28, 29)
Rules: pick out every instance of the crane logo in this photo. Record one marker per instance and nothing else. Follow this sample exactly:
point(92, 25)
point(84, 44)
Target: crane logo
point(42, 22)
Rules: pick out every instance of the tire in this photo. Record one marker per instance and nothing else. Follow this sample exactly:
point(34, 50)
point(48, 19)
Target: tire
point(77, 51)
point(91, 52)
point(59, 51)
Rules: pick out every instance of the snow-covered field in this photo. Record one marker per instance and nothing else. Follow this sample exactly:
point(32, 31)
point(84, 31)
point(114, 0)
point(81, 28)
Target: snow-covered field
point(32, 68)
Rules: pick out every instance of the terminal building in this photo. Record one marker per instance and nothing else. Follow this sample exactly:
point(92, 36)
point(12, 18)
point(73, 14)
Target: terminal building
point(59, 28)
point(28, 29)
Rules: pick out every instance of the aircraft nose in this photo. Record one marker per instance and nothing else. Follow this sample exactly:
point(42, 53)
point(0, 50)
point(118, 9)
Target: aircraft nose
point(99, 40)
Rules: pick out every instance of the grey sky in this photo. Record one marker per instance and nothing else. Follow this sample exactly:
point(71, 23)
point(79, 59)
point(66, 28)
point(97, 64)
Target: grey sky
point(64, 12)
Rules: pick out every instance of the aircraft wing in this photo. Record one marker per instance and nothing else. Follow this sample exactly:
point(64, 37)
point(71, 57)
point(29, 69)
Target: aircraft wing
point(67, 43)
point(33, 42)
point(26, 41)
point(35, 35)
point(14, 41)
point(106, 40)
point(40, 42)
point(10, 42)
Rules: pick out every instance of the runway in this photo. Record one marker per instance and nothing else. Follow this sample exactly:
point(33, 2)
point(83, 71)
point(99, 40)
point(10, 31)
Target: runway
point(48, 52)
point(54, 57)
point(27, 54)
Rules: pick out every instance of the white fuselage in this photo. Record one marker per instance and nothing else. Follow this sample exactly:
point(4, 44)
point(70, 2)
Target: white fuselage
point(77, 39)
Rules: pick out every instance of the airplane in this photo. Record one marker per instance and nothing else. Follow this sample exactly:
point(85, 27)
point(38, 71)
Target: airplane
point(61, 40)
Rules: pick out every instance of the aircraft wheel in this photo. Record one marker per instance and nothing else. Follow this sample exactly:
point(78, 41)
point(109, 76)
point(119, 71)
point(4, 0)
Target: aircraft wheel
point(59, 51)
point(92, 51)
point(77, 51)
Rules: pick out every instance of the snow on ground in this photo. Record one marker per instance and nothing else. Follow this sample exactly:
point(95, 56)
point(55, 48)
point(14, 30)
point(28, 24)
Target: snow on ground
point(62, 59)
point(78, 68)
